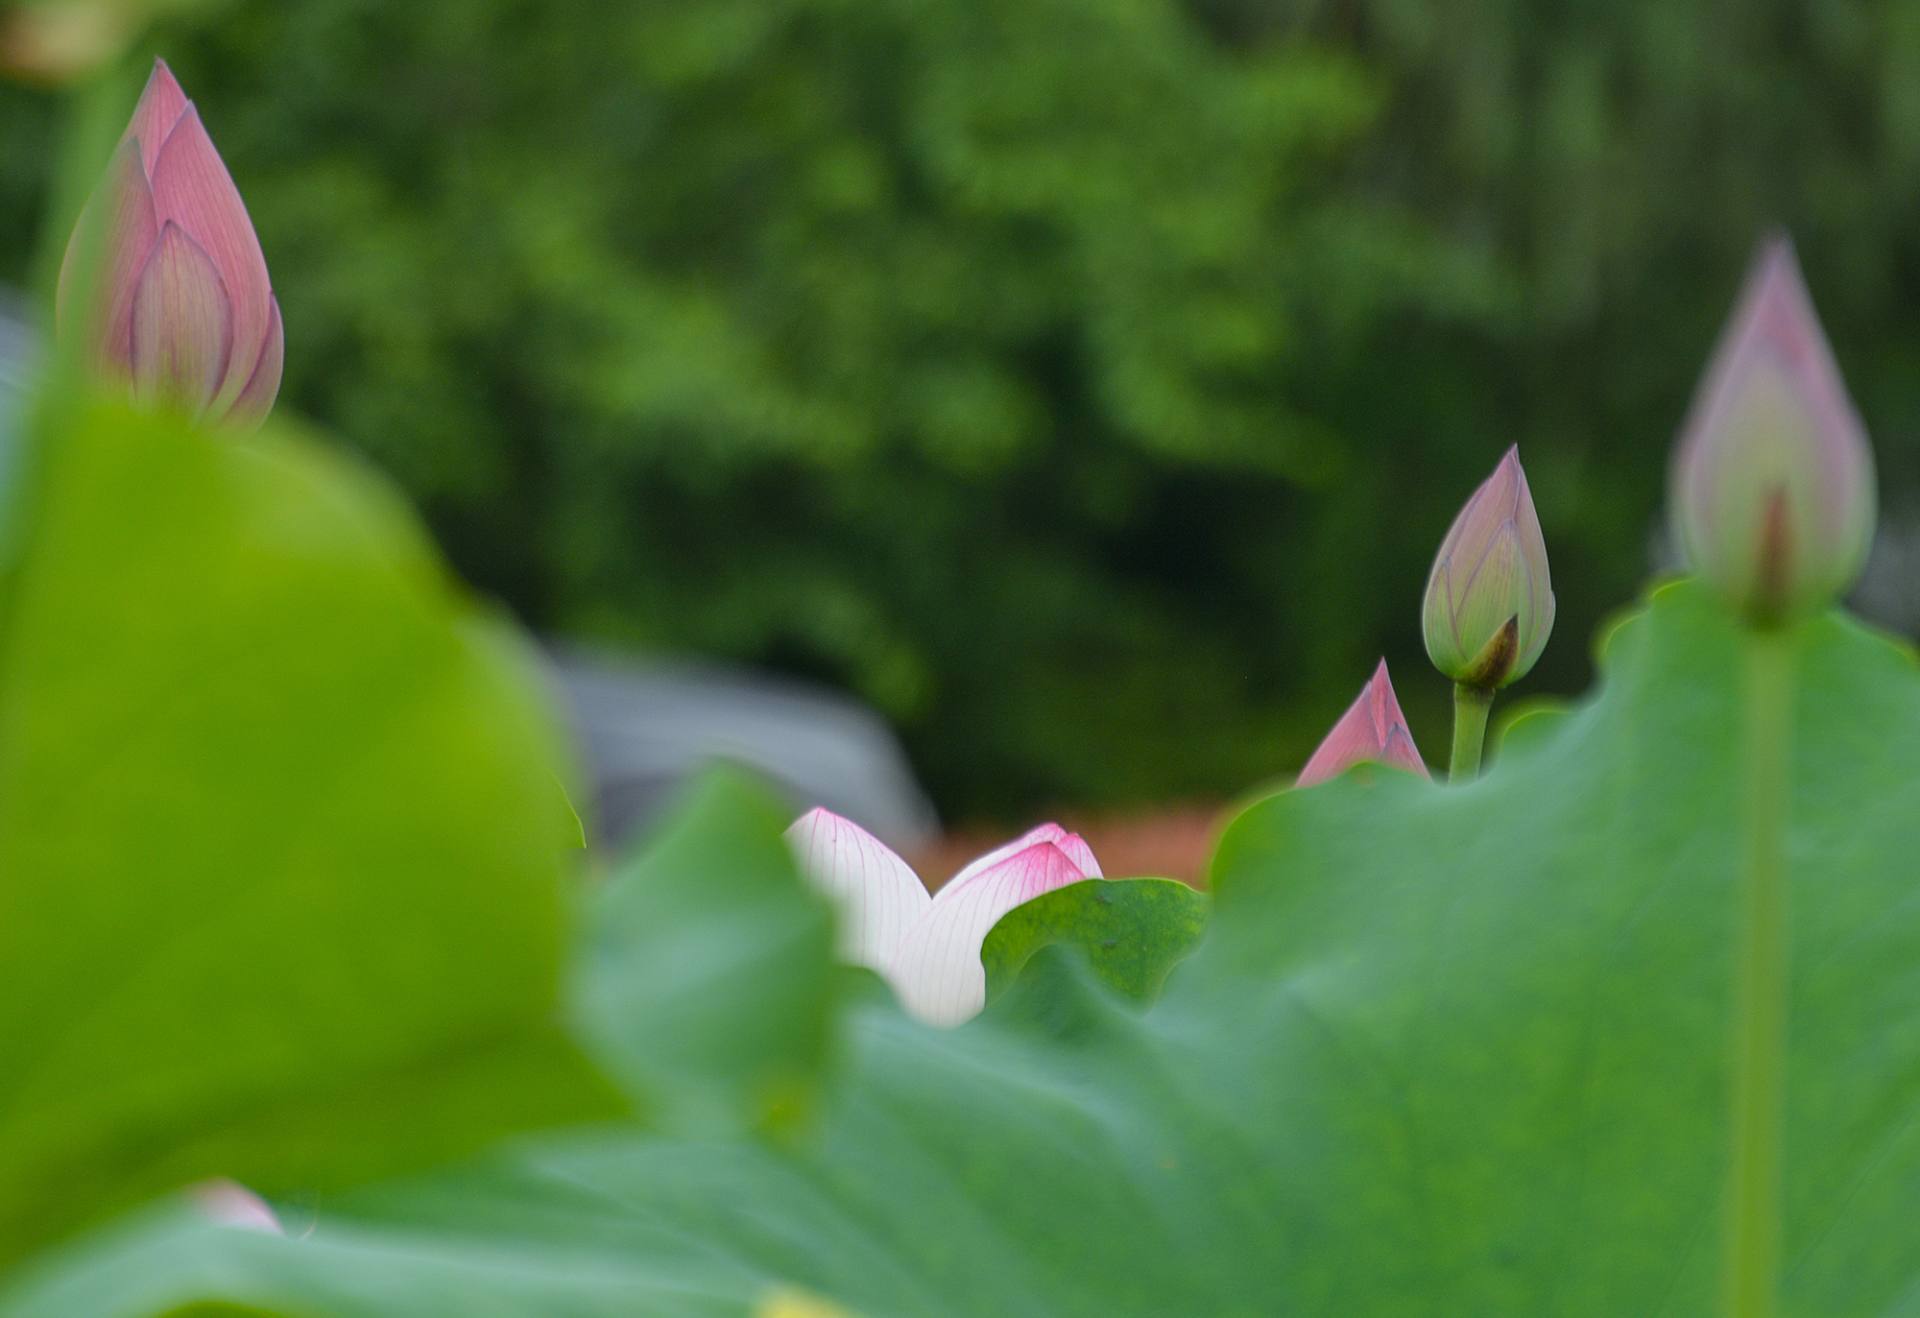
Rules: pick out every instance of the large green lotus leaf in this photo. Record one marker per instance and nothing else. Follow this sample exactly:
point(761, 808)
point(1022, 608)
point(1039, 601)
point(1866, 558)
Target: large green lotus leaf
point(282, 886)
point(1133, 932)
point(1442, 1051)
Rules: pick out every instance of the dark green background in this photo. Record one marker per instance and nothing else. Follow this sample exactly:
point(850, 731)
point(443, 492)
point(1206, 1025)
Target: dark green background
point(1085, 383)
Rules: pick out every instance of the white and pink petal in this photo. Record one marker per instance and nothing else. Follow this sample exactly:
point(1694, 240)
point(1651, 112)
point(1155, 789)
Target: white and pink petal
point(877, 894)
point(1072, 843)
point(1076, 850)
point(936, 969)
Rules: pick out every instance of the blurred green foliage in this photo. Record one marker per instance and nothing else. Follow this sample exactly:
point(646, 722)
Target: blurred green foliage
point(1085, 383)
point(1440, 1052)
point(285, 888)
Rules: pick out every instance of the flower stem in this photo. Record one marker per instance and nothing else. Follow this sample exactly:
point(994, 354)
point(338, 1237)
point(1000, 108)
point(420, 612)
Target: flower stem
point(1751, 1259)
point(1470, 706)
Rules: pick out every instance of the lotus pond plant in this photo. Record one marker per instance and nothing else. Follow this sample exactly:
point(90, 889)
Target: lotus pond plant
point(1773, 486)
point(164, 281)
point(1624, 1025)
point(1489, 602)
point(1773, 500)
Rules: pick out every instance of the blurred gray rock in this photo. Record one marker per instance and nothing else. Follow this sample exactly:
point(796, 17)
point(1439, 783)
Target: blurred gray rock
point(1889, 589)
point(645, 729)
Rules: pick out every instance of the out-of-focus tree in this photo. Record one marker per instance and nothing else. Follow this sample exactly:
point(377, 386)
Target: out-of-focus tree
point(1086, 383)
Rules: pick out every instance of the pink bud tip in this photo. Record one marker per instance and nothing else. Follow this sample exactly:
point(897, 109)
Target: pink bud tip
point(182, 308)
point(1373, 728)
point(1773, 483)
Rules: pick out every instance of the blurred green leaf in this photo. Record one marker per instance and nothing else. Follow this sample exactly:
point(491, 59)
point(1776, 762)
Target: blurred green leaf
point(706, 980)
point(1132, 931)
point(1443, 1050)
point(281, 894)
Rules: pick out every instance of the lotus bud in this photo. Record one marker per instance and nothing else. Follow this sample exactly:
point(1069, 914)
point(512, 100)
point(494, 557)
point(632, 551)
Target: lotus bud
point(1373, 728)
point(183, 311)
point(1489, 605)
point(928, 947)
point(1773, 488)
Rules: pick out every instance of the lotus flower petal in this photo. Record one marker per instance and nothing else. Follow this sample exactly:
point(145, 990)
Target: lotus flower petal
point(1048, 832)
point(1494, 591)
point(1075, 848)
point(191, 188)
point(929, 948)
point(936, 969)
point(182, 324)
point(161, 105)
point(1400, 752)
point(1373, 728)
point(878, 896)
point(256, 400)
point(117, 228)
point(1479, 520)
point(1072, 844)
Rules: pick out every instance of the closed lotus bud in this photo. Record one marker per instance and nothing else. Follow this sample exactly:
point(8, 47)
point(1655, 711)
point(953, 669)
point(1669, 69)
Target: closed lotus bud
point(1773, 488)
point(1373, 728)
point(183, 309)
point(1489, 605)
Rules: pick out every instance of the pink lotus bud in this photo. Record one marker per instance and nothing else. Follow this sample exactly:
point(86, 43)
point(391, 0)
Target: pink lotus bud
point(1373, 728)
point(185, 313)
point(1773, 489)
point(928, 947)
point(1489, 605)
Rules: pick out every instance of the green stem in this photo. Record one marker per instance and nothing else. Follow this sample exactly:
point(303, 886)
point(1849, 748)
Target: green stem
point(1751, 1259)
point(1470, 707)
